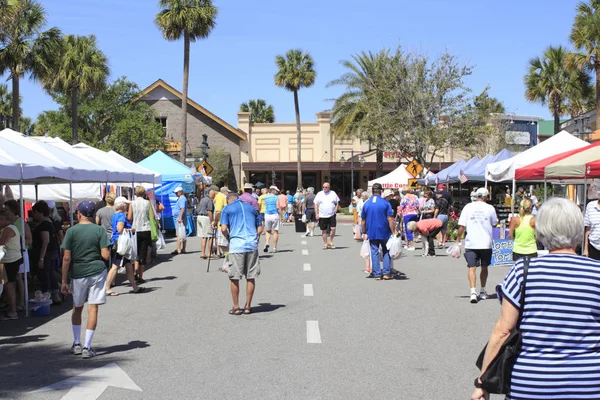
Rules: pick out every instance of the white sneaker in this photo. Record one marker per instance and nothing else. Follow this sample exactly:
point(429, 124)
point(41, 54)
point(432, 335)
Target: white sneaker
point(88, 353)
point(405, 247)
point(274, 250)
point(411, 248)
point(483, 296)
point(474, 298)
point(311, 234)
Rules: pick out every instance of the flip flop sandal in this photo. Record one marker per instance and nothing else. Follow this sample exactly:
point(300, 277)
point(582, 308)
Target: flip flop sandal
point(331, 246)
point(235, 311)
point(204, 257)
point(247, 310)
point(140, 289)
point(325, 247)
point(112, 294)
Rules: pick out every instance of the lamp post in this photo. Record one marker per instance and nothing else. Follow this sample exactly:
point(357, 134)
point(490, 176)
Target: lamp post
point(204, 146)
point(343, 162)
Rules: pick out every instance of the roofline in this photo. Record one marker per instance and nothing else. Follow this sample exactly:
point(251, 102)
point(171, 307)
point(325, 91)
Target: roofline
point(584, 115)
point(517, 116)
point(175, 92)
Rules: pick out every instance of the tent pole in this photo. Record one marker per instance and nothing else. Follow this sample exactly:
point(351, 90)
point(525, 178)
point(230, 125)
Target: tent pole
point(514, 189)
point(36, 193)
point(71, 203)
point(545, 189)
point(23, 253)
point(583, 207)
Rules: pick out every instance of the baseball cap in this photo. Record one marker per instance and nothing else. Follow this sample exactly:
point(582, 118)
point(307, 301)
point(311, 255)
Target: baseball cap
point(482, 192)
point(439, 191)
point(440, 186)
point(248, 186)
point(225, 189)
point(386, 193)
point(86, 208)
point(122, 199)
point(178, 189)
point(215, 188)
point(377, 186)
point(274, 187)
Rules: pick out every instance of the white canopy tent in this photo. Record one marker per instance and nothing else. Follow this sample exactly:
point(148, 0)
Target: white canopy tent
point(138, 169)
point(394, 180)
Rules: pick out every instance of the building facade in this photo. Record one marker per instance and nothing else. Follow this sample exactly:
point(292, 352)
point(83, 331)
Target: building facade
point(584, 127)
point(166, 102)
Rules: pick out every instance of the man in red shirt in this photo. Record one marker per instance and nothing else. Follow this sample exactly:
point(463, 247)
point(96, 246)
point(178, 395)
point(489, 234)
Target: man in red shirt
point(428, 228)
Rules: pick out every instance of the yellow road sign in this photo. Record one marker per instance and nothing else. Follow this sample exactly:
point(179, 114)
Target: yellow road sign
point(207, 167)
point(413, 184)
point(414, 168)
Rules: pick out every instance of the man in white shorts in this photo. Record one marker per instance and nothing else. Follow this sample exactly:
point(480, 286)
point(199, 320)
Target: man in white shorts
point(85, 245)
point(272, 218)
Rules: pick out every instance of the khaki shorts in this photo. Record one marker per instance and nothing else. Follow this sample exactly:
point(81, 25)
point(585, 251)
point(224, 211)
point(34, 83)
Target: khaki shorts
point(221, 239)
point(244, 264)
point(204, 227)
point(271, 222)
point(90, 288)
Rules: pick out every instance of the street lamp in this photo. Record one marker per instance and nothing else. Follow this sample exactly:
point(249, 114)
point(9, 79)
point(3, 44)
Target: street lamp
point(343, 162)
point(204, 147)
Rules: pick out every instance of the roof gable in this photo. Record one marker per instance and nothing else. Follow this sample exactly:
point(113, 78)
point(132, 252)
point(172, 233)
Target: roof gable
point(161, 90)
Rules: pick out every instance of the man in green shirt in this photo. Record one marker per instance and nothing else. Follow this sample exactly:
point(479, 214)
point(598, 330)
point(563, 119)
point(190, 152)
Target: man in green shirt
point(85, 246)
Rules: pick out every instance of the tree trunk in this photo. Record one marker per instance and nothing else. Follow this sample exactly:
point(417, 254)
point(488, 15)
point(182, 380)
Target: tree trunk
point(15, 102)
point(298, 140)
point(597, 67)
point(378, 163)
point(74, 121)
point(556, 122)
point(186, 77)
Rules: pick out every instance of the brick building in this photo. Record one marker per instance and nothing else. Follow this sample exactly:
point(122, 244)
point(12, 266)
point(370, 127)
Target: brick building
point(166, 101)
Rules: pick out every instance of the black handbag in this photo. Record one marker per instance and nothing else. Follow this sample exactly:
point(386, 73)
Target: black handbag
point(497, 376)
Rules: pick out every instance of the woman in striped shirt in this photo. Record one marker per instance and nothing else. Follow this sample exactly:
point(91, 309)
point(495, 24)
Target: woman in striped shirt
point(560, 355)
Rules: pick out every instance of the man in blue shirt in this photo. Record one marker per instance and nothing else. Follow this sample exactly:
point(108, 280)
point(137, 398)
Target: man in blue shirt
point(240, 225)
point(180, 217)
point(378, 223)
point(272, 218)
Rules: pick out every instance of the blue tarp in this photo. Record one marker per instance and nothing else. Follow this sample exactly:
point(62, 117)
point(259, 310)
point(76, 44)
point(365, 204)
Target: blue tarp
point(476, 172)
point(174, 174)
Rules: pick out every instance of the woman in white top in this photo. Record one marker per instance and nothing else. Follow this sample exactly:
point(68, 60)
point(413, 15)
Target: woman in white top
point(10, 239)
point(138, 214)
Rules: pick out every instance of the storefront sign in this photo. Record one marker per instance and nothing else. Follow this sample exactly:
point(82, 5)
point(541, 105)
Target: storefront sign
point(502, 250)
point(392, 185)
point(173, 146)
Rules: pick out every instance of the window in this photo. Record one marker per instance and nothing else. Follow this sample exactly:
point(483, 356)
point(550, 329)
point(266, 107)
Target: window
point(163, 122)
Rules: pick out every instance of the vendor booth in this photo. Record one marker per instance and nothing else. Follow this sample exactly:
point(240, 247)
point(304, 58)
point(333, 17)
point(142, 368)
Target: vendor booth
point(173, 174)
point(394, 180)
point(476, 172)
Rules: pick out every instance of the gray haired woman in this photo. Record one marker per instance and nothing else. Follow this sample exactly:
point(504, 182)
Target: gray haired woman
point(560, 326)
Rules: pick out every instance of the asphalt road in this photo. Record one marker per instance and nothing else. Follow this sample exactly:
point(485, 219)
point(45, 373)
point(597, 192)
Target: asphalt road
point(410, 338)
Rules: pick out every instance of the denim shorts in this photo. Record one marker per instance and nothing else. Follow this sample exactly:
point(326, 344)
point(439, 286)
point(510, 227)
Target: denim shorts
point(444, 219)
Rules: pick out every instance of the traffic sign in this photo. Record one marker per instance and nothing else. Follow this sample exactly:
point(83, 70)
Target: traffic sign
point(207, 167)
point(414, 168)
point(414, 184)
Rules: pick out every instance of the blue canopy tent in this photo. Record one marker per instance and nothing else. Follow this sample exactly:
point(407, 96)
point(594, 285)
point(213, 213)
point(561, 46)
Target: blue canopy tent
point(476, 172)
point(453, 175)
point(440, 177)
point(174, 174)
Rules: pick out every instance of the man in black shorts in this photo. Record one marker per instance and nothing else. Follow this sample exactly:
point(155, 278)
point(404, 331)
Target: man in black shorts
point(309, 211)
point(327, 203)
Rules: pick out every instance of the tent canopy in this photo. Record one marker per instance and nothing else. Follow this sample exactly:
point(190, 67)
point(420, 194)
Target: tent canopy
point(453, 175)
point(574, 166)
point(394, 180)
point(141, 174)
point(170, 169)
point(505, 170)
point(476, 172)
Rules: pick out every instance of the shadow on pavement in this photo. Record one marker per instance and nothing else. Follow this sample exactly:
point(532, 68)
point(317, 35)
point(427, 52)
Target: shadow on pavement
point(164, 278)
point(266, 307)
point(134, 344)
point(23, 339)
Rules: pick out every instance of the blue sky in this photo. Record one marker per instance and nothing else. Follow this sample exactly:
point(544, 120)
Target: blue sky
point(236, 62)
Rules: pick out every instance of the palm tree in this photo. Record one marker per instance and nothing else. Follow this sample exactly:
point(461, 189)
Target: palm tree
point(24, 47)
point(192, 20)
point(352, 113)
point(260, 113)
point(586, 39)
point(5, 106)
point(82, 69)
point(551, 81)
point(296, 70)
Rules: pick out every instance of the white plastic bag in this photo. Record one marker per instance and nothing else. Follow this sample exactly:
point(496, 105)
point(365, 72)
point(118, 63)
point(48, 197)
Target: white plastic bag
point(2, 252)
point(160, 243)
point(133, 255)
point(350, 208)
point(181, 232)
point(124, 244)
point(304, 218)
point(356, 230)
point(394, 246)
point(365, 249)
point(454, 251)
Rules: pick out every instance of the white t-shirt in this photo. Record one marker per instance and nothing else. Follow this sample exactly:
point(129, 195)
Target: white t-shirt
point(327, 203)
point(479, 218)
point(592, 219)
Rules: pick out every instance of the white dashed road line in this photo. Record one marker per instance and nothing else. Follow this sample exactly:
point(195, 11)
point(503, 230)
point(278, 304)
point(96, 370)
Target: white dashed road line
point(303, 242)
point(306, 267)
point(308, 290)
point(304, 252)
point(313, 335)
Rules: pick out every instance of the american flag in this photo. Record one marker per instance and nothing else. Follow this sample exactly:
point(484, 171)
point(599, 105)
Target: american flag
point(462, 177)
point(193, 169)
point(203, 171)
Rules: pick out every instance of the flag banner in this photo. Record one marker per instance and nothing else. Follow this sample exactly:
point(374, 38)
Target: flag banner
point(462, 177)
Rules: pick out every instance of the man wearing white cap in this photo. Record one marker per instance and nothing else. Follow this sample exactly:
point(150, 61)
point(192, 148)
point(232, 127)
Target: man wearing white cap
point(272, 221)
point(179, 217)
point(478, 218)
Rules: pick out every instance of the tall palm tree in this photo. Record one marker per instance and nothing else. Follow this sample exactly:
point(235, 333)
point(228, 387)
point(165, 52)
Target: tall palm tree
point(260, 113)
point(25, 48)
point(585, 36)
point(552, 81)
point(353, 112)
point(190, 20)
point(82, 69)
point(296, 70)
point(5, 106)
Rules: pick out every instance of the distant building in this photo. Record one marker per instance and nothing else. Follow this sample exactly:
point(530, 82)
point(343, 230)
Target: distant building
point(166, 101)
point(583, 126)
point(520, 131)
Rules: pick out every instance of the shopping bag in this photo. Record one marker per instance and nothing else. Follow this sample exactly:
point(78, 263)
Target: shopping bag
point(394, 246)
point(454, 251)
point(153, 225)
point(365, 249)
point(124, 244)
point(2, 252)
point(160, 243)
point(303, 218)
point(181, 231)
point(356, 229)
point(133, 255)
